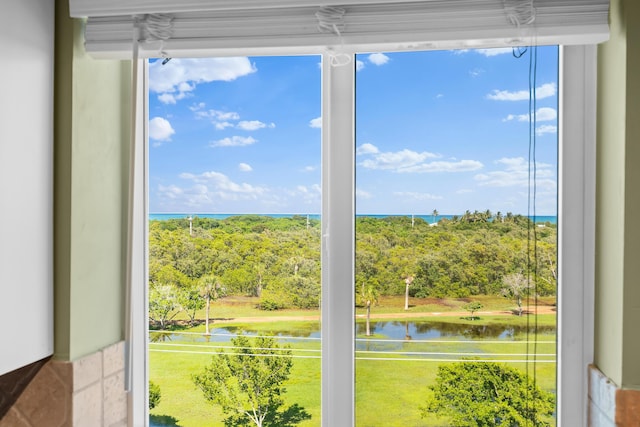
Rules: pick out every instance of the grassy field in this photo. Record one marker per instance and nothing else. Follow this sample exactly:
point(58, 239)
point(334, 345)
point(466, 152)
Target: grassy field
point(390, 386)
point(230, 308)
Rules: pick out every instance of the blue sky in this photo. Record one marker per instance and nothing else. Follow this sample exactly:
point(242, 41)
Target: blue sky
point(445, 130)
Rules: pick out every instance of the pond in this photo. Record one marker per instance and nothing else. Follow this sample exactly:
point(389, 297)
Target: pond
point(420, 345)
point(391, 330)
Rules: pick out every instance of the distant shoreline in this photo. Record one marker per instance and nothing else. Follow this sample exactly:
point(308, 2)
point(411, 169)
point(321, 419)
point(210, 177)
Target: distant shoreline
point(553, 219)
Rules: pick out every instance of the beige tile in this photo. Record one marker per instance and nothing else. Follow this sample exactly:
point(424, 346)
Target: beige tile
point(46, 401)
point(14, 419)
point(115, 399)
point(113, 359)
point(87, 406)
point(122, 423)
point(87, 370)
point(64, 371)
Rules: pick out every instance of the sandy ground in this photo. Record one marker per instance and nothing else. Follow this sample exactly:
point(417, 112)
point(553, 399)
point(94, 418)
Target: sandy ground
point(401, 315)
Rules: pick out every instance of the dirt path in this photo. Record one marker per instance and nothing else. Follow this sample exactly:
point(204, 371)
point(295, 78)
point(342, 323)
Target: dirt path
point(401, 315)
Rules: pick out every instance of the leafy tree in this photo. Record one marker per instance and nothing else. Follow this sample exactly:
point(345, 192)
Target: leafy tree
point(472, 307)
point(277, 259)
point(516, 286)
point(248, 384)
point(163, 304)
point(190, 300)
point(154, 395)
point(484, 394)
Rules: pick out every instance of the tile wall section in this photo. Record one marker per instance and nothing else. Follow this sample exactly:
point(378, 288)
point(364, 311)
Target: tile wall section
point(86, 392)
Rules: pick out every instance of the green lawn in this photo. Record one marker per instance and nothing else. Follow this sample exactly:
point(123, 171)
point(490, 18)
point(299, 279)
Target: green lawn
point(388, 392)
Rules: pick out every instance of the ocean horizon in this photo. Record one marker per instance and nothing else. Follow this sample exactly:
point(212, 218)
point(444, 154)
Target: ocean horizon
point(553, 219)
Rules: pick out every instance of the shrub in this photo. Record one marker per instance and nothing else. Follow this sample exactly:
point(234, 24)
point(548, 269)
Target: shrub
point(154, 395)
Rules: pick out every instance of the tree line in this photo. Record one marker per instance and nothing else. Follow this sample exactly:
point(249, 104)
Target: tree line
point(278, 259)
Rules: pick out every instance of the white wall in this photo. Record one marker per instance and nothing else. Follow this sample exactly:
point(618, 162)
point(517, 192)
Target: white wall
point(26, 182)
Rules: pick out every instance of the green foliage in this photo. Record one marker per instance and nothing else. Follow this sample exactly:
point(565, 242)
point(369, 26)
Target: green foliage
point(473, 306)
point(278, 259)
point(163, 304)
point(248, 383)
point(154, 395)
point(190, 300)
point(484, 394)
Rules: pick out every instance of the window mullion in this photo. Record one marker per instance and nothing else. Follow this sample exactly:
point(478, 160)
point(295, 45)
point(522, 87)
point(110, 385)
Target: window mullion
point(576, 225)
point(338, 212)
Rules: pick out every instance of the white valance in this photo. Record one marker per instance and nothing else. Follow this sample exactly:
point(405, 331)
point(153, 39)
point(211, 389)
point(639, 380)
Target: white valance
point(265, 27)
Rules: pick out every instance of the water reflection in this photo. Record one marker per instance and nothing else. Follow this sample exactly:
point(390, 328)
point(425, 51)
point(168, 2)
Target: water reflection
point(395, 330)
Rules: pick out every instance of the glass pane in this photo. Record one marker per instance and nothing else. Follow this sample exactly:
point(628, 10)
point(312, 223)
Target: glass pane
point(234, 241)
point(455, 278)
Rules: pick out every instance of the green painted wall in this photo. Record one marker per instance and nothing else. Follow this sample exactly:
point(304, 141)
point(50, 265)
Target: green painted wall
point(91, 150)
point(610, 186)
point(617, 315)
point(631, 293)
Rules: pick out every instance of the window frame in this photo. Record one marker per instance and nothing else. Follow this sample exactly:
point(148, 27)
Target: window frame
point(576, 240)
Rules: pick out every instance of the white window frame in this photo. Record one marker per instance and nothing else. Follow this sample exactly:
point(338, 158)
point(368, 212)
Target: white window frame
point(576, 241)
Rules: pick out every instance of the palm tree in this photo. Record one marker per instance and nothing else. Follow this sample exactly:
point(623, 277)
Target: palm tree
point(210, 290)
point(407, 282)
point(368, 297)
point(434, 214)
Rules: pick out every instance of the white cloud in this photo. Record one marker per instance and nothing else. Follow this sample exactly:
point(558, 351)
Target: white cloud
point(222, 125)
point(170, 191)
point(440, 95)
point(244, 167)
point(367, 148)
point(224, 119)
point(515, 173)
point(378, 58)
point(179, 77)
point(309, 195)
point(444, 166)
point(222, 186)
point(543, 114)
point(169, 98)
point(416, 196)
point(544, 91)
point(160, 129)
point(408, 161)
point(234, 141)
point(215, 191)
point(361, 194)
point(495, 51)
point(396, 161)
point(359, 65)
point(476, 72)
point(310, 168)
point(316, 123)
point(215, 115)
point(546, 114)
point(541, 130)
point(253, 125)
